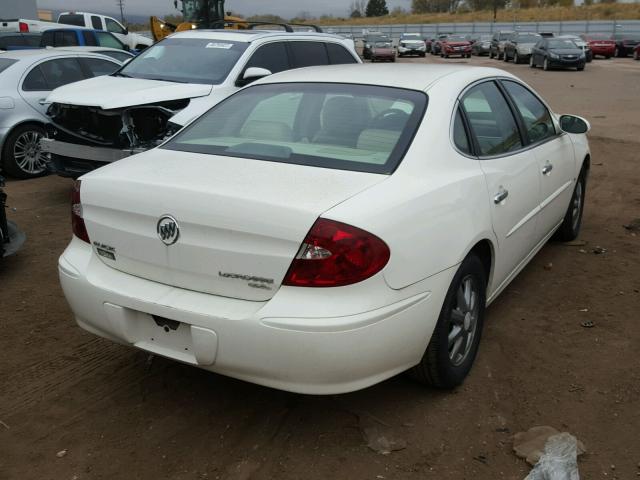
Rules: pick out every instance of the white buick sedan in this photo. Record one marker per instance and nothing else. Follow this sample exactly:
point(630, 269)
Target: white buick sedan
point(328, 228)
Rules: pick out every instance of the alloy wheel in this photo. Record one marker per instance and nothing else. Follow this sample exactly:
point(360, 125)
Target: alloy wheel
point(463, 320)
point(27, 153)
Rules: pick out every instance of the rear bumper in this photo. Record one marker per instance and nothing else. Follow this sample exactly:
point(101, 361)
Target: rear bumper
point(260, 342)
point(566, 63)
point(605, 51)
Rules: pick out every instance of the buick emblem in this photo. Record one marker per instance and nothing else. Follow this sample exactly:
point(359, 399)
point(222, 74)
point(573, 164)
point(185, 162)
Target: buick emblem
point(168, 230)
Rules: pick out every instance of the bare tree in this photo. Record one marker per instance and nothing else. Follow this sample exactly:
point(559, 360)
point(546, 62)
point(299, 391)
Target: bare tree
point(358, 8)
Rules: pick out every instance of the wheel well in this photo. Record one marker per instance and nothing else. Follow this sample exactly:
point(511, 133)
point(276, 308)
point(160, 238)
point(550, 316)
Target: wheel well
point(586, 163)
point(484, 250)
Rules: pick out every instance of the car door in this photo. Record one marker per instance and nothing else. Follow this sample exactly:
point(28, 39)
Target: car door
point(511, 174)
point(553, 151)
point(47, 76)
point(536, 52)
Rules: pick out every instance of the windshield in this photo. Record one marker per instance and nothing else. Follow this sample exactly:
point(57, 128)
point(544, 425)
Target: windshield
point(379, 38)
point(505, 36)
point(627, 36)
point(562, 44)
point(528, 38)
point(342, 126)
point(456, 38)
point(383, 45)
point(186, 60)
point(6, 63)
point(411, 36)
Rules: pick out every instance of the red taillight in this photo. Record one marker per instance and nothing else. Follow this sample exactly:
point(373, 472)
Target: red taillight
point(77, 222)
point(335, 254)
point(24, 28)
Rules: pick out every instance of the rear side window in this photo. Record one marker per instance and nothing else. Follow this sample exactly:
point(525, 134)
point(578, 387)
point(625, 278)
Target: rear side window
point(64, 39)
point(492, 122)
point(96, 22)
point(272, 56)
point(32, 40)
point(460, 137)
point(107, 40)
point(120, 56)
point(47, 39)
point(6, 63)
point(340, 126)
point(536, 117)
point(89, 39)
point(339, 55)
point(98, 66)
point(308, 54)
point(35, 81)
point(61, 71)
point(72, 19)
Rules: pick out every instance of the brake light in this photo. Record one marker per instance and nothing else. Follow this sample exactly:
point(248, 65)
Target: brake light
point(335, 254)
point(24, 28)
point(77, 222)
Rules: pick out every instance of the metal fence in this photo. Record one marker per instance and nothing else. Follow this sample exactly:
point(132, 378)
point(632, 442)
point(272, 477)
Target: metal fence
point(609, 27)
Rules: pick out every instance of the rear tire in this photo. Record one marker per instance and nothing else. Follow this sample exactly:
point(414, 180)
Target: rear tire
point(490, 53)
point(455, 340)
point(545, 65)
point(516, 58)
point(531, 63)
point(572, 222)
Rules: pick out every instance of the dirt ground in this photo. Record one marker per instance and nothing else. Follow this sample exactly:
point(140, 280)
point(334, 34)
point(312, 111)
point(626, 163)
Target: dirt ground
point(119, 416)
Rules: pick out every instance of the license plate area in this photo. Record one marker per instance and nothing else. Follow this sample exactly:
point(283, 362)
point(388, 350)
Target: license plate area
point(164, 336)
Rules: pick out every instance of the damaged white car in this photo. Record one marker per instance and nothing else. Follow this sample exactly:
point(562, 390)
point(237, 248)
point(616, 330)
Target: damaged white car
point(99, 121)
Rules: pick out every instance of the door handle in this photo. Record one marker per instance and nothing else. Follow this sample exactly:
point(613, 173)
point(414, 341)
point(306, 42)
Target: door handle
point(546, 170)
point(42, 101)
point(501, 196)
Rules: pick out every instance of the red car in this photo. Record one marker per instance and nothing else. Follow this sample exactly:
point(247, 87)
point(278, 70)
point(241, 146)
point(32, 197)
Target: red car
point(600, 44)
point(383, 52)
point(455, 45)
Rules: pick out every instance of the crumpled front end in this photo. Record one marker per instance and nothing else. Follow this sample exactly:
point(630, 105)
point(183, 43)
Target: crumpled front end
point(83, 138)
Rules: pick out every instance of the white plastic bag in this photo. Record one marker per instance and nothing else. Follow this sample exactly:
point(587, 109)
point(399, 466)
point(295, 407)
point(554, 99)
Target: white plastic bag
point(559, 461)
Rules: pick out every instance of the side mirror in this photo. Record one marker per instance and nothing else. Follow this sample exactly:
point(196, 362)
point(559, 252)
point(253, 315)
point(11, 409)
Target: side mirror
point(573, 124)
point(252, 74)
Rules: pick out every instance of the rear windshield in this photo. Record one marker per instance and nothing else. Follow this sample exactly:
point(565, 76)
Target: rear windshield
point(529, 38)
point(187, 60)
point(558, 43)
point(72, 19)
point(341, 126)
point(6, 63)
point(598, 36)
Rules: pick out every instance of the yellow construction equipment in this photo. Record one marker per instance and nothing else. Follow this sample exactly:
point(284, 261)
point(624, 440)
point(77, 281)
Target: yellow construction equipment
point(197, 14)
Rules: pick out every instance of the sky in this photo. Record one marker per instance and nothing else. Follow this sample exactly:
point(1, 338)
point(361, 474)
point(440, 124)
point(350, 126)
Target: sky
point(284, 8)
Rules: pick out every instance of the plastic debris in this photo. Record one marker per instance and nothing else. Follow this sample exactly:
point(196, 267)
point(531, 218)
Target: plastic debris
point(531, 444)
point(61, 453)
point(559, 460)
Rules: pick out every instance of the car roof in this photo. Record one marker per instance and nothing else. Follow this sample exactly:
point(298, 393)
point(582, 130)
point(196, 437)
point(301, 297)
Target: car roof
point(41, 53)
point(249, 36)
point(22, 34)
point(90, 49)
point(412, 76)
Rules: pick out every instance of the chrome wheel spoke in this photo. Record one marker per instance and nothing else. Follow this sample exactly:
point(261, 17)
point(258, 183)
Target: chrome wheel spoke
point(457, 317)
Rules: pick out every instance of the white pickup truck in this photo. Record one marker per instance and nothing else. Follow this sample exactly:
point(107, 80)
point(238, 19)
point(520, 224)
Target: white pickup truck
point(102, 22)
point(24, 25)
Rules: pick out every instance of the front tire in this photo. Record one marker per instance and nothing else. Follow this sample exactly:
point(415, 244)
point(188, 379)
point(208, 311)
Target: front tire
point(454, 343)
point(545, 65)
point(21, 155)
point(531, 62)
point(516, 58)
point(572, 222)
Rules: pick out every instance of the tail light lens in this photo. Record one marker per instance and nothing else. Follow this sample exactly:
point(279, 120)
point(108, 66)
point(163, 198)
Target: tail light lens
point(335, 254)
point(77, 222)
point(24, 28)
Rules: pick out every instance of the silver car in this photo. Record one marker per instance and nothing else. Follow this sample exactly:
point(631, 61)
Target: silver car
point(518, 47)
point(26, 79)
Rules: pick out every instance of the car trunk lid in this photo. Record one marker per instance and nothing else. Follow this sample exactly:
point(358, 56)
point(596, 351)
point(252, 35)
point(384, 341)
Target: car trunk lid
point(241, 222)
